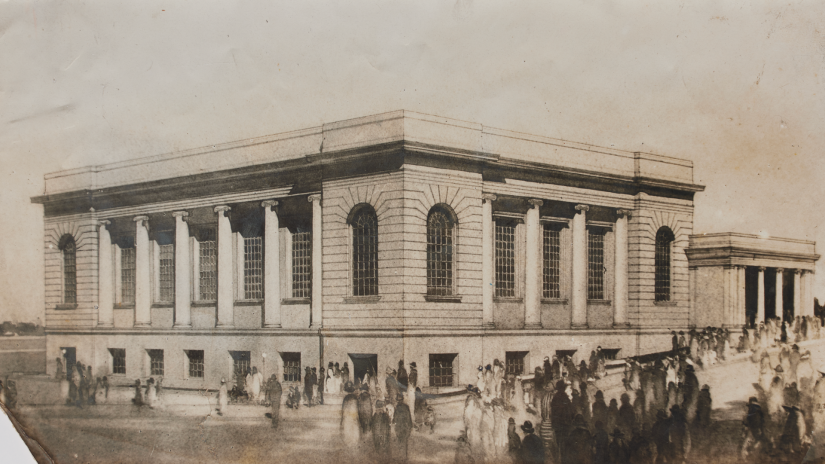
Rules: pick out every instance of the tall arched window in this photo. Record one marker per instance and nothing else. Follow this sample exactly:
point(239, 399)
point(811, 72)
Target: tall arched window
point(69, 249)
point(440, 240)
point(664, 239)
point(364, 225)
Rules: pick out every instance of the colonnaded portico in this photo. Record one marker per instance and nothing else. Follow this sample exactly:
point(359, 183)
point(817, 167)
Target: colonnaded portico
point(740, 280)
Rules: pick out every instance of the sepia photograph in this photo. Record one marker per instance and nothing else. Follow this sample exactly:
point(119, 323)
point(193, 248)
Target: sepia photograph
point(430, 232)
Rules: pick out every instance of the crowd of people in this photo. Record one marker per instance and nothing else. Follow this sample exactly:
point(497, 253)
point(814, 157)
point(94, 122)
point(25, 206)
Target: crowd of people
point(80, 388)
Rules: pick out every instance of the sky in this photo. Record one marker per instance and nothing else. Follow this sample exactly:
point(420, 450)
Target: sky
point(736, 87)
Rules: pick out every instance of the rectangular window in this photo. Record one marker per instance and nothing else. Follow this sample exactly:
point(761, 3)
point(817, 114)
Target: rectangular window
point(505, 258)
point(208, 265)
point(302, 264)
point(441, 370)
point(118, 360)
point(252, 268)
point(155, 362)
point(551, 282)
point(127, 275)
point(241, 361)
point(595, 266)
point(167, 272)
point(195, 363)
point(514, 362)
point(292, 366)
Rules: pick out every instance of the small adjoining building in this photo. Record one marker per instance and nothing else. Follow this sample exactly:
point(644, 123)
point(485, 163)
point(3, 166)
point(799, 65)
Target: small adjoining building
point(367, 241)
point(740, 280)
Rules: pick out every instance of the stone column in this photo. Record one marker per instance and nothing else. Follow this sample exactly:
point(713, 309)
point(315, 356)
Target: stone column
point(105, 284)
point(226, 294)
point(183, 288)
point(317, 262)
point(143, 287)
point(760, 296)
point(272, 266)
point(487, 260)
point(741, 312)
point(532, 276)
point(580, 267)
point(797, 292)
point(620, 273)
point(780, 304)
point(807, 293)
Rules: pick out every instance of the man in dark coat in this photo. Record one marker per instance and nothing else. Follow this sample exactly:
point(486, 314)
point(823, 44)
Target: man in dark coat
point(703, 407)
point(599, 408)
point(412, 378)
point(691, 392)
point(322, 379)
point(619, 449)
point(274, 393)
point(755, 419)
point(402, 419)
point(627, 416)
point(578, 445)
point(548, 370)
point(674, 342)
point(660, 435)
point(679, 435)
point(513, 441)
point(401, 376)
point(309, 382)
point(364, 409)
point(601, 445)
point(380, 426)
point(532, 447)
point(392, 386)
point(561, 411)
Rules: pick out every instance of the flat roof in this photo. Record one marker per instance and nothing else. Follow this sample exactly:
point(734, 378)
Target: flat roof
point(731, 248)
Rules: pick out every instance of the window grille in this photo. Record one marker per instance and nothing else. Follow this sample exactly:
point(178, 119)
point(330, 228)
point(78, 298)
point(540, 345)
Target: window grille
point(167, 272)
point(505, 258)
point(155, 362)
point(252, 269)
point(595, 266)
point(664, 238)
point(441, 370)
point(292, 366)
point(365, 253)
point(195, 363)
point(241, 362)
point(514, 362)
point(69, 271)
point(118, 360)
point(551, 282)
point(127, 274)
point(208, 266)
point(302, 264)
point(440, 229)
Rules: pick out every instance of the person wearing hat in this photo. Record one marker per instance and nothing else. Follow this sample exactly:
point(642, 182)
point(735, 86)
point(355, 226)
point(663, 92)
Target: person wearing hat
point(578, 444)
point(561, 410)
point(274, 392)
point(223, 397)
point(402, 420)
point(380, 427)
point(794, 432)
point(412, 382)
point(401, 376)
point(619, 450)
point(691, 394)
point(755, 419)
point(480, 384)
point(392, 387)
point(532, 447)
point(679, 434)
point(350, 426)
point(513, 441)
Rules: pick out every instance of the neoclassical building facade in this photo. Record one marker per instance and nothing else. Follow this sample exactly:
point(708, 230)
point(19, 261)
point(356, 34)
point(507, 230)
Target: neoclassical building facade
point(387, 237)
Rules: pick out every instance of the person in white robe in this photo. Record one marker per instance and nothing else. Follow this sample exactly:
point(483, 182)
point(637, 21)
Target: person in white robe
point(254, 381)
point(223, 398)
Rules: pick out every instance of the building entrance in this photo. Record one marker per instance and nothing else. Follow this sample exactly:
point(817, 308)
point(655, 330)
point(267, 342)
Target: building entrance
point(69, 359)
point(363, 364)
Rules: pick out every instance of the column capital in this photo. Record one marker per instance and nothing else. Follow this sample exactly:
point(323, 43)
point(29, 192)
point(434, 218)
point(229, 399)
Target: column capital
point(582, 208)
point(222, 209)
point(103, 222)
point(761, 268)
point(780, 270)
point(624, 212)
point(488, 197)
point(535, 202)
point(142, 221)
point(797, 271)
point(315, 197)
point(269, 203)
point(181, 214)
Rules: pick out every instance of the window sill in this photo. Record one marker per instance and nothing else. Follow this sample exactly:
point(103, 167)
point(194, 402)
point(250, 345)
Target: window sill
point(248, 302)
point(600, 302)
point(501, 299)
point(125, 306)
point(163, 305)
point(361, 299)
point(203, 303)
point(295, 301)
point(443, 298)
point(65, 306)
point(665, 303)
point(555, 301)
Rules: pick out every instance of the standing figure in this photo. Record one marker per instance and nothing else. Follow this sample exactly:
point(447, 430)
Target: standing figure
point(392, 387)
point(254, 383)
point(345, 373)
point(223, 397)
point(412, 383)
point(138, 399)
point(322, 384)
point(380, 426)
point(402, 419)
point(578, 446)
point(532, 447)
point(274, 392)
point(151, 393)
point(619, 450)
point(309, 383)
point(364, 409)
point(401, 376)
point(350, 425)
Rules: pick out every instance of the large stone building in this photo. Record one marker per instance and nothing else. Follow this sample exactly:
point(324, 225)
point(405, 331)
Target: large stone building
point(387, 237)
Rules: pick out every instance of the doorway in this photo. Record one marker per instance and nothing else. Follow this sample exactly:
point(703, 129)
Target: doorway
point(363, 363)
point(69, 359)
